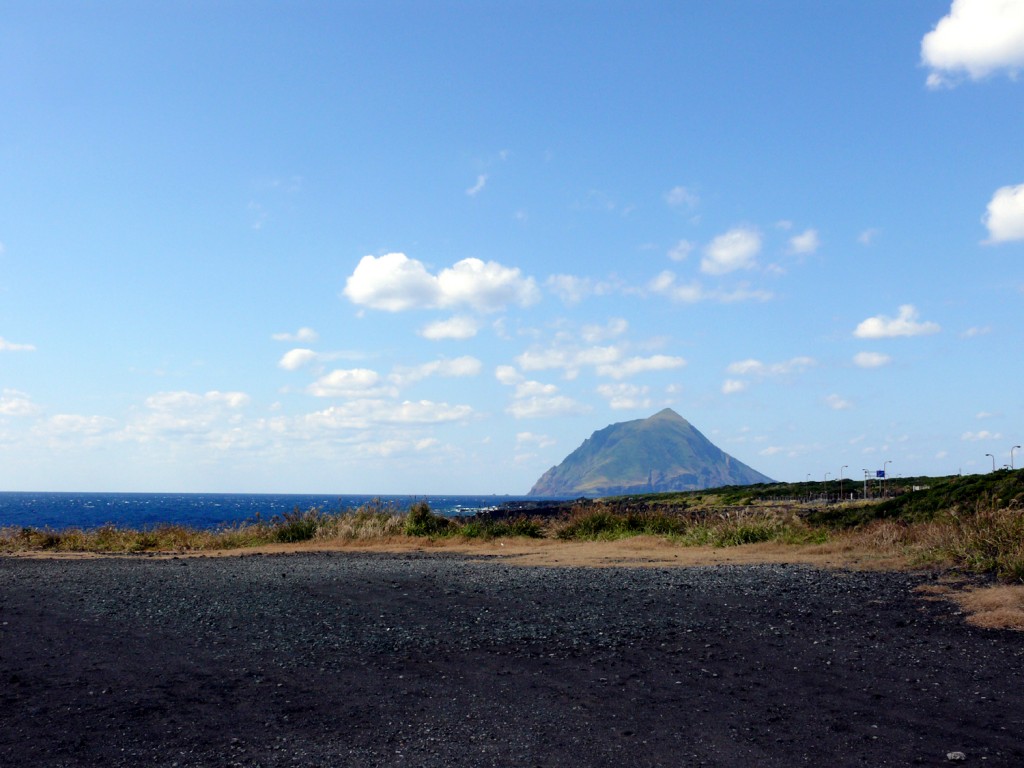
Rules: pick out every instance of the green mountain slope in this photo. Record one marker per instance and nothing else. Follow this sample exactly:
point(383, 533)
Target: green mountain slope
point(655, 455)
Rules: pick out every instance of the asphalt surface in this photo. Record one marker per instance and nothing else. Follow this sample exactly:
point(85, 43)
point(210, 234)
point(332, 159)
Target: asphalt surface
point(438, 660)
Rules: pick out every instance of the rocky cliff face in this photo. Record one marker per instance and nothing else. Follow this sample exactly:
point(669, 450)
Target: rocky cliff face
point(662, 453)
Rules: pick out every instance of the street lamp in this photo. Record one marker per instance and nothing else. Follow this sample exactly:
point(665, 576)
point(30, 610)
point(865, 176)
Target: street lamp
point(993, 461)
point(885, 476)
point(824, 482)
point(1011, 455)
point(865, 482)
point(845, 466)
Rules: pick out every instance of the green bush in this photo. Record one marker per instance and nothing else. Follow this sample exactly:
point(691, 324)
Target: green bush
point(421, 521)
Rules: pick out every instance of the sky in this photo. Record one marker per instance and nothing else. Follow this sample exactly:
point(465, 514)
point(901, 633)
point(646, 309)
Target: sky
point(429, 248)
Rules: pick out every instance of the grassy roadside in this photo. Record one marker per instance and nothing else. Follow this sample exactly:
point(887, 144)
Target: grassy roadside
point(981, 532)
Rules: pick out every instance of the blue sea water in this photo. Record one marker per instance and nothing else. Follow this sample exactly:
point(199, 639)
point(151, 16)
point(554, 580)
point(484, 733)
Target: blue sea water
point(59, 511)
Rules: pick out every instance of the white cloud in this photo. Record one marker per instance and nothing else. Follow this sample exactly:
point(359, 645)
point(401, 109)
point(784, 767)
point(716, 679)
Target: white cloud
point(1005, 214)
point(867, 237)
point(350, 383)
point(751, 367)
point(364, 414)
point(871, 359)
point(454, 368)
point(534, 388)
point(805, 243)
point(977, 38)
point(572, 289)
point(614, 328)
point(394, 283)
point(905, 324)
point(476, 189)
point(984, 434)
point(530, 439)
point(459, 327)
point(732, 386)
point(838, 403)
point(983, 415)
point(634, 365)
point(571, 360)
point(184, 401)
point(975, 330)
point(625, 396)
point(72, 424)
point(680, 250)
point(294, 359)
point(306, 335)
point(544, 407)
point(15, 403)
point(681, 197)
point(10, 346)
point(693, 292)
point(507, 375)
point(736, 249)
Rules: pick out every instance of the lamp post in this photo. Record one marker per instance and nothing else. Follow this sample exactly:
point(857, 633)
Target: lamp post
point(885, 476)
point(993, 461)
point(824, 483)
point(1011, 455)
point(845, 466)
point(865, 482)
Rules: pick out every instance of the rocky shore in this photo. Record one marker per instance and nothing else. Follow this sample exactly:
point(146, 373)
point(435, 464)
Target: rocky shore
point(343, 659)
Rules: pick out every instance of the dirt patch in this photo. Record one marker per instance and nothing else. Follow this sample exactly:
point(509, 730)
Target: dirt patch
point(637, 551)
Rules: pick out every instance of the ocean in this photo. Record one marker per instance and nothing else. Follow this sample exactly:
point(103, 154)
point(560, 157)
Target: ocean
point(59, 511)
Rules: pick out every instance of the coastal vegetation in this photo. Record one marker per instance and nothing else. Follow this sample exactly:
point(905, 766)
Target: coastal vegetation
point(973, 523)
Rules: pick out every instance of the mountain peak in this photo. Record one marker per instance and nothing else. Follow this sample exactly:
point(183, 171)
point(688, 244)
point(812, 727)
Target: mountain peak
point(661, 453)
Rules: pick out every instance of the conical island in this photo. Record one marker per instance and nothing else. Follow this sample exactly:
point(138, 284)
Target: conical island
point(662, 453)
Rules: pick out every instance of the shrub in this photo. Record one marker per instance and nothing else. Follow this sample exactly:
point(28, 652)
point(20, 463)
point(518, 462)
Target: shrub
point(421, 521)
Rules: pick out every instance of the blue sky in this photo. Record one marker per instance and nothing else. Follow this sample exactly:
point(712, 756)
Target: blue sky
point(429, 248)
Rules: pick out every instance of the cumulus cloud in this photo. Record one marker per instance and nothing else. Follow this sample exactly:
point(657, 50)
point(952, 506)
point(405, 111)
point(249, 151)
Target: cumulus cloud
point(15, 403)
point(805, 243)
point(867, 237)
point(680, 250)
point(623, 397)
point(544, 407)
point(531, 439)
point(572, 289)
point(571, 360)
point(294, 359)
point(732, 386)
point(984, 434)
point(976, 38)
point(10, 346)
point(634, 365)
point(1004, 217)
point(303, 335)
point(459, 327)
point(535, 399)
point(593, 334)
point(681, 197)
point(736, 249)
point(355, 383)
point(364, 414)
point(455, 368)
point(871, 359)
point(752, 367)
point(394, 283)
point(904, 324)
point(476, 189)
point(838, 403)
point(83, 426)
point(693, 292)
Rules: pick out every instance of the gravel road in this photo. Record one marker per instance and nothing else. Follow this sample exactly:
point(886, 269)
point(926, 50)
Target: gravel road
point(342, 659)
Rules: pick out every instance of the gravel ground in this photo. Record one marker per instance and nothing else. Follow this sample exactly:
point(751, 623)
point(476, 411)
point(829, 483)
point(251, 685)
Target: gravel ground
point(341, 659)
